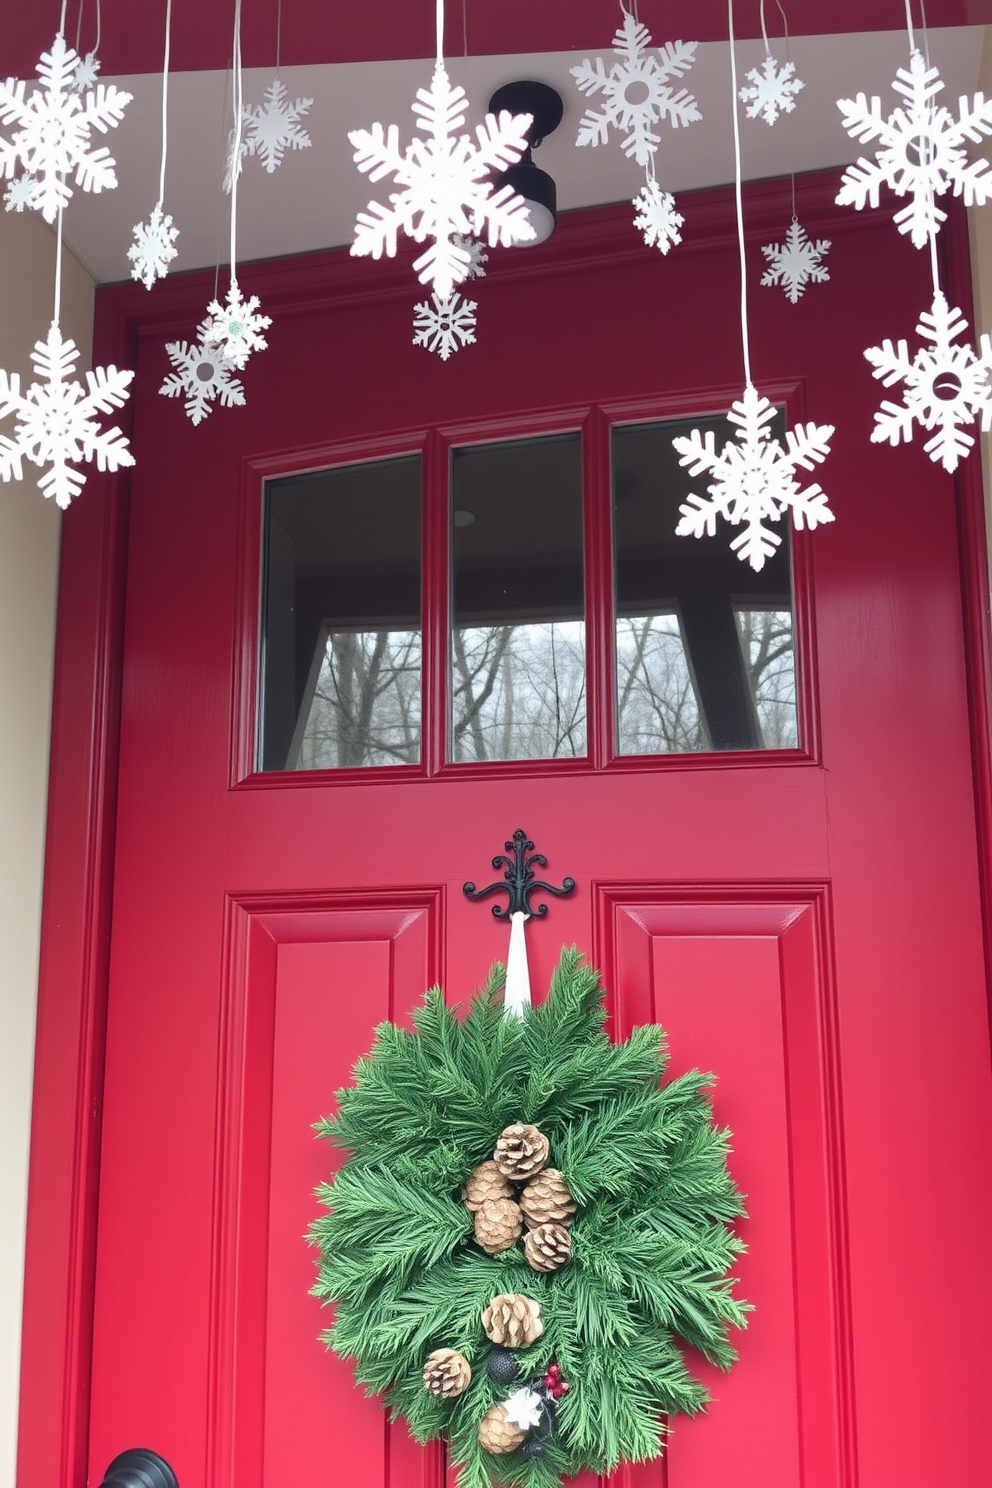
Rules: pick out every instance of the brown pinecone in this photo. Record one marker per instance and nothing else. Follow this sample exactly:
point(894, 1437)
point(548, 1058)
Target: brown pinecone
point(548, 1248)
point(547, 1198)
point(498, 1225)
point(521, 1151)
point(497, 1434)
point(447, 1373)
point(486, 1182)
point(512, 1320)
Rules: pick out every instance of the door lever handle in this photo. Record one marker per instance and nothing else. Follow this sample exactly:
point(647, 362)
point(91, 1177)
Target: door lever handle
point(139, 1468)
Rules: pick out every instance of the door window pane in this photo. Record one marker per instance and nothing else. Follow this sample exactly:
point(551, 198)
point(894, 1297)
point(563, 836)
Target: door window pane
point(341, 618)
point(704, 646)
point(518, 626)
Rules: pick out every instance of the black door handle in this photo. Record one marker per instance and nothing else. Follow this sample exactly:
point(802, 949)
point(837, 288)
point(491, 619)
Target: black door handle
point(139, 1468)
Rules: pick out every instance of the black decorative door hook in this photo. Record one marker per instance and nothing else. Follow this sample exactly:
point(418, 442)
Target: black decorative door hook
point(518, 880)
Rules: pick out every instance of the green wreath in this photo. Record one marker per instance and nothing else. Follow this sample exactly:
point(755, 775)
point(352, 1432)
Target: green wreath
point(633, 1224)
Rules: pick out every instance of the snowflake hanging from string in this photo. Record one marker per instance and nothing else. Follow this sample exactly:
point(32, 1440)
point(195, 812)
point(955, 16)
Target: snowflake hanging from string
point(203, 375)
point(51, 139)
point(86, 73)
point(477, 255)
point(444, 326)
point(946, 386)
point(636, 91)
point(56, 419)
point(272, 127)
point(656, 216)
point(153, 248)
point(21, 193)
point(754, 480)
point(922, 150)
point(774, 90)
point(796, 262)
point(235, 328)
point(445, 186)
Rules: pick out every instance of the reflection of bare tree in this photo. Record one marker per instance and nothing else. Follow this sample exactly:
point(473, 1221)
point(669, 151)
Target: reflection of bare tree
point(518, 691)
point(769, 655)
point(366, 706)
point(657, 711)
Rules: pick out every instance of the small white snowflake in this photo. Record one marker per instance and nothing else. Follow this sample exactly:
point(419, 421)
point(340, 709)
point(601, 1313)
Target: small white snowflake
point(21, 193)
point(153, 248)
point(636, 91)
point(774, 91)
point(273, 126)
point(477, 255)
point(86, 73)
point(923, 151)
point(947, 386)
point(444, 326)
point(56, 424)
point(51, 139)
point(524, 1408)
point(754, 480)
point(445, 185)
point(235, 328)
point(202, 376)
point(656, 216)
point(796, 262)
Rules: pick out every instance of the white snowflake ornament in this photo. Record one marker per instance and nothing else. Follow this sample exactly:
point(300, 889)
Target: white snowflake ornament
point(203, 376)
point(53, 124)
point(922, 150)
point(445, 186)
point(56, 419)
point(656, 216)
point(946, 386)
point(477, 255)
point(796, 262)
point(754, 480)
point(773, 90)
point(524, 1408)
point(21, 194)
point(153, 248)
point(272, 127)
point(444, 326)
point(86, 73)
point(235, 328)
point(636, 90)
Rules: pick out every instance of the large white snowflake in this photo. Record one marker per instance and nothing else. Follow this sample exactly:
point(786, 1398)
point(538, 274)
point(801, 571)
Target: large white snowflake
point(947, 386)
point(235, 328)
point(656, 216)
point(444, 326)
point(153, 248)
point(754, 480)
point(56, 419)
point(202, 376)
point(773, 90)
point(445, 186)
point(923, 150)
point(272, 127)
point(636, 91)
point(796, 262)
point(53, 124)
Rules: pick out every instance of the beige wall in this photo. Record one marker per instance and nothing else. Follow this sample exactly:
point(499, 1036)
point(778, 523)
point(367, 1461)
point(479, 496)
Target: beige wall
point(29, 550)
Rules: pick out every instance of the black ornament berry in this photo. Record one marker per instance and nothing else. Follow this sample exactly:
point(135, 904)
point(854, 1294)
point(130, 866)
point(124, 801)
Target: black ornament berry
point(532, 1448)
point(501, 1365)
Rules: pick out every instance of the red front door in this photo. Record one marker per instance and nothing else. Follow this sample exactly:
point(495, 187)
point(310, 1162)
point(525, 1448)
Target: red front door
point(803, 918)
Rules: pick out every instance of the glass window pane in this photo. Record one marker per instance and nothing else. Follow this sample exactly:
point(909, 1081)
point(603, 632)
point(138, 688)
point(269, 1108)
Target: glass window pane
point(518, 626)
point(704, 646)
point(341, 649)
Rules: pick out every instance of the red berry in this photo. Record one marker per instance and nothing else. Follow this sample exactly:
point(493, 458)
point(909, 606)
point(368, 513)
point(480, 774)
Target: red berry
point(554, 1370)
point(563, 1387)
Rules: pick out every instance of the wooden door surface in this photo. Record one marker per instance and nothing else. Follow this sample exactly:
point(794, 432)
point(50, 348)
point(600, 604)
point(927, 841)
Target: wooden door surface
point(805, 921)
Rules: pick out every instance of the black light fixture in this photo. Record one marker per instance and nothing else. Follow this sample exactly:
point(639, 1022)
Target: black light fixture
point(537, 188)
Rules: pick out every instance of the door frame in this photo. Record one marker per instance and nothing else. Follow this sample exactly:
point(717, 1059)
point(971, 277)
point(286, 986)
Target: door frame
point(79, 873)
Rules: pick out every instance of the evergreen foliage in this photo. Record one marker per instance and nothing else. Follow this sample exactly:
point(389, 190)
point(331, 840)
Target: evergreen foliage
point(652, 1243)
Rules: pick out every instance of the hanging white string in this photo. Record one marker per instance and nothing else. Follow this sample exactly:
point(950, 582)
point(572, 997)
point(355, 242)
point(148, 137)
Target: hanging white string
point(62, 17)
point(236, 147)
point(58, 271)
point(165, 102)
point(79, 22)
point(439, 31)
point(99, 26)
point(909, 26)
point(278, 36)
point(516, 994)
point(739, 196)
